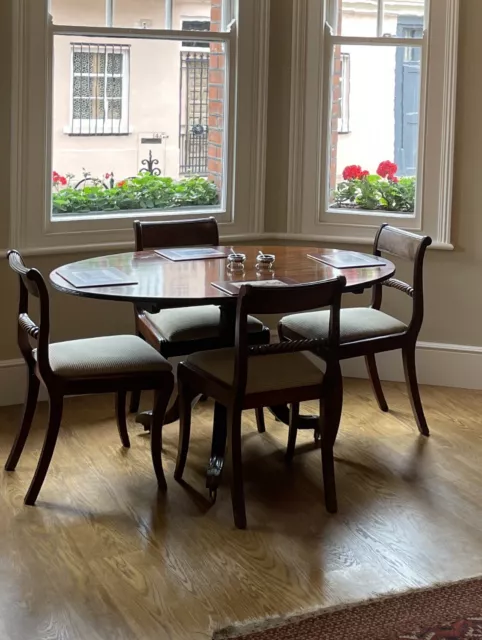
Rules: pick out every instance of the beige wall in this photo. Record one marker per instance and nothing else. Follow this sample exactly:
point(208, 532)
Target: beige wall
point(454, 295)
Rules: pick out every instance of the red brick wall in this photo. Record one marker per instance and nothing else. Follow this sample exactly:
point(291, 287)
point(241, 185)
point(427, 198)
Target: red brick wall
point(217, 62)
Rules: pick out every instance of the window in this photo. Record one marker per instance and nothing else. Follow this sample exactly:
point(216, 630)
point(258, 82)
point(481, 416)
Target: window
point(117, 86)
point(100, 89)
point(383, 72)
point(196, 25)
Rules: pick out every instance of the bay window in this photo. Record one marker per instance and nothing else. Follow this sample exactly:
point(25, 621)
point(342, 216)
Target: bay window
point(127, 109)
point(372, 129)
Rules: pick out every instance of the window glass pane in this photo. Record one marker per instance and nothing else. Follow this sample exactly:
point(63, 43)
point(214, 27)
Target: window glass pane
point(373, 166)
point(359, 18)
point(405, 22)
point(148, 14)
point(356, 18)
point(148, 114)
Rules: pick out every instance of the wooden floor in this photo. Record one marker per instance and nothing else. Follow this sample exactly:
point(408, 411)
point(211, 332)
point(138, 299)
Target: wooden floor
point(101, 556)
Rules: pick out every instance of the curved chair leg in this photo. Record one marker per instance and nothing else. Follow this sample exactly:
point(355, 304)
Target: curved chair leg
point(293, 431)
point(236, 468)
point(371, 364)
point(185, 398)
point(161, 401)
point(55, 418)
point(120, 414)
point(410, 370)
point(331, 411)
point(260, 420)
point(28, 414)
point(135, 401)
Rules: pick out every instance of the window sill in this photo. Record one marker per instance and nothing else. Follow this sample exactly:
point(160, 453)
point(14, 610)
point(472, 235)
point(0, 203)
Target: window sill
point(109, 132)
point(316, 239)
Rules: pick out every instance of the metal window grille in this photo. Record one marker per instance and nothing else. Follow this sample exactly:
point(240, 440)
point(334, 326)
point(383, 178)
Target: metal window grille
point(100, 89)
point(194, 112)
point(344, 121)
point(196, 25)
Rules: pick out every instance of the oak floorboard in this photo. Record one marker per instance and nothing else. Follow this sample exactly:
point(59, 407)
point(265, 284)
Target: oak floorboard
point(103, 555)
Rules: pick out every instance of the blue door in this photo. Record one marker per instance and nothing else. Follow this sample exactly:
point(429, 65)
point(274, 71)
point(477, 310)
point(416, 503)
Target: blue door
point(407, 96)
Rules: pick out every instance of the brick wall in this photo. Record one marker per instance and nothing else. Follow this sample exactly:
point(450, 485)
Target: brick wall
point(217, 62)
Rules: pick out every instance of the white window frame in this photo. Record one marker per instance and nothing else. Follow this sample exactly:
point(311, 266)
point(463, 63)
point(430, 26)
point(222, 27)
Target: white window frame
point(308, 217)
point(344, 119)
point(242, 212)
point(108, 126)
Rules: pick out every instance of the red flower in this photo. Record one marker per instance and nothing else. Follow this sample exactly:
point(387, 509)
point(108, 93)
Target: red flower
point(108, 175)
point(395, 179)
point(387, 169)
point(121, 183)
point(58, 179)
point(354, 172)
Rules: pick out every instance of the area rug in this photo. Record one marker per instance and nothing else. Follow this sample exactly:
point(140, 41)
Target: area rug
point(449, 611)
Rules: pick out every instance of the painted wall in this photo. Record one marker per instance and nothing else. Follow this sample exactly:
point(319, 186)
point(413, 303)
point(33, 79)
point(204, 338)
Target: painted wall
point(454, 296)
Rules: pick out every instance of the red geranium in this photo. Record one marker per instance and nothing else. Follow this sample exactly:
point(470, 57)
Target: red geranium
point(121, 183)
point(354, 172)
point(388, 170)
point(108, 175)
point(58, 179)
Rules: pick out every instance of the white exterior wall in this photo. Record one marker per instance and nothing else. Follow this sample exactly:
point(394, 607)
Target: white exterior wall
point(154, 91)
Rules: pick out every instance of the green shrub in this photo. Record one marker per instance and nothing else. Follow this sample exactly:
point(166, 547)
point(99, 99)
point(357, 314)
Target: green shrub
point(145, 191)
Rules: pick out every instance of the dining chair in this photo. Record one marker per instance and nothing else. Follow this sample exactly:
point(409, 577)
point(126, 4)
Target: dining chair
point(114, 364)
point(249, 377)
point(182, 331)
point(368, 331)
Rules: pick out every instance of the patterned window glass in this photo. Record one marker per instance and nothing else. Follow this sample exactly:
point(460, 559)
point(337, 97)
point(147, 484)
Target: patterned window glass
point(99, 89)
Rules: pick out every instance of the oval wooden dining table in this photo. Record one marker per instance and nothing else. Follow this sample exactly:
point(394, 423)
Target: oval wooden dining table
point(162, 284)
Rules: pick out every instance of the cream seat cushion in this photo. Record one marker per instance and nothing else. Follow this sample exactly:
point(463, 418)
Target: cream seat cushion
point(193, 323)
point(112, 355)
point(355, 324)
point(265, 373)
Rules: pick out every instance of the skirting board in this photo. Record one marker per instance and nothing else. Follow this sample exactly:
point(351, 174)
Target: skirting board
point(442, 365)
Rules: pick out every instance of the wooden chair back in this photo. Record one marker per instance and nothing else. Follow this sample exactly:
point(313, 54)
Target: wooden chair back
point(406, 246)
point(182, 233)
point(32, 284)
point(284, 300)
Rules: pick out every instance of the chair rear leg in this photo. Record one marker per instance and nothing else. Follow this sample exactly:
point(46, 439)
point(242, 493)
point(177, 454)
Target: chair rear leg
point(293, 431)
point(236, 468)
point(260, 423)
point(371, 364)
point(161, 400)
point(410, 370)
point(55, 418)
point(185, 398)
point(120, 413)
point(135, 401)
point(28, 414)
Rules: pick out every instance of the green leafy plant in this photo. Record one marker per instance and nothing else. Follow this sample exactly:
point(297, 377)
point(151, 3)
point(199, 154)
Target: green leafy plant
point(144, 191)
point(382, 191)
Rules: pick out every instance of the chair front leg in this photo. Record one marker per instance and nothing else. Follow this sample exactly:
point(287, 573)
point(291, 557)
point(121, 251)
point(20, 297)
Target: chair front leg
point(120, 413)
point(161, 400)
point(293, 431)
point(410, 371)
point(55, 418)
point(330, 408)
point(236, 467)
point(135, 401)
point(28, 414)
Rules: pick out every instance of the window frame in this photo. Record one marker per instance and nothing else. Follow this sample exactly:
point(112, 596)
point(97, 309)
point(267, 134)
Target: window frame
point(108, 126)
point(307, 215)
point(32, 228)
